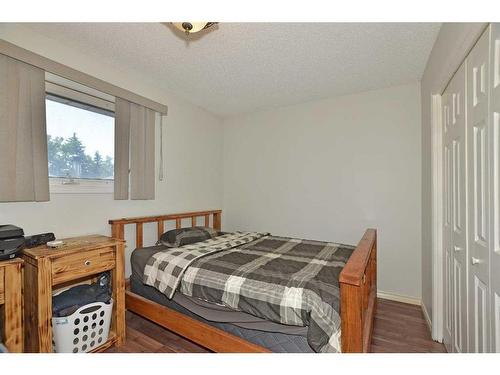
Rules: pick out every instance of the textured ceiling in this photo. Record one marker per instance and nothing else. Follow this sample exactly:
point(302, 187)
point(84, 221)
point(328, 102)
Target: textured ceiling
point(243, 67)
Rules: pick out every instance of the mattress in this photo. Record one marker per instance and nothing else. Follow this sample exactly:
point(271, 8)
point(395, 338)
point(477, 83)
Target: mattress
point(274, 336)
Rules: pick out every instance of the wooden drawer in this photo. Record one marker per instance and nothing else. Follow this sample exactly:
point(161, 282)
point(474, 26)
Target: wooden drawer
point(2, 286)
point(71, 267)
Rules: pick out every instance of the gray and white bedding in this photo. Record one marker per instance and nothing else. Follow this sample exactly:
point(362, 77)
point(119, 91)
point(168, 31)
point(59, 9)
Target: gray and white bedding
point(283, 280)
point(208, 311)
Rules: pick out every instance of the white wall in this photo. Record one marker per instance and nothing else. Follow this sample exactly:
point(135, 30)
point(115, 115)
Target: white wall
point(452, 45)
point(330, 169)
point(192, 149)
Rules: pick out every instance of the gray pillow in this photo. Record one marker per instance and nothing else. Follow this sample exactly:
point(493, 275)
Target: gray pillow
point(186, 236)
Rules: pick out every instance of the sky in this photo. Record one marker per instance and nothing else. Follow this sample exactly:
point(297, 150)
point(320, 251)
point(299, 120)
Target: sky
point(96, 131)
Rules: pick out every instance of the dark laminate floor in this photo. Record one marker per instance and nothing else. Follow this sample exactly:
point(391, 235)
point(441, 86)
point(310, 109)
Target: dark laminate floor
point(399, 327)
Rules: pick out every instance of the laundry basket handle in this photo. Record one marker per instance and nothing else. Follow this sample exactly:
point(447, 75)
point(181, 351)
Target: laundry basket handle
point(91, 307)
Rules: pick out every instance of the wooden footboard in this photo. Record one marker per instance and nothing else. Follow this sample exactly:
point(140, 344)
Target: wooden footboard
point(358, 295)
point(358, 290)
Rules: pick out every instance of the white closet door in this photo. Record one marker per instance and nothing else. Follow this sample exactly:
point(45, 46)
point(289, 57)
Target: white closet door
point(455, 240)
point(495, 185)
point(478, 138)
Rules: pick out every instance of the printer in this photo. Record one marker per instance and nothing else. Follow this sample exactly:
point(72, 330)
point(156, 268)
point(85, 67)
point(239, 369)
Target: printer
point(11, 241)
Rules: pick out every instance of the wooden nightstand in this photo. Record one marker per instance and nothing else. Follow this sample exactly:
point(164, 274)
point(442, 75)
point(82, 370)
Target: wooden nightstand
point(11, 292)
point(80, 259)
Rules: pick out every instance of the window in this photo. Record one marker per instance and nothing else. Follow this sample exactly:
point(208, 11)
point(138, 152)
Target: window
point(80, 142)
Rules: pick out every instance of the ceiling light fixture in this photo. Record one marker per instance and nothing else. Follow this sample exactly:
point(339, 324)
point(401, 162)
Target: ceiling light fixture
point(193, 27)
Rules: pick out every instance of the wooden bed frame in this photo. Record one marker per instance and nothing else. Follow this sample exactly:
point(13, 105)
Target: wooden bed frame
point(358, 292)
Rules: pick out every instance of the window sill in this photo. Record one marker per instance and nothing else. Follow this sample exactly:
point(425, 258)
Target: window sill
point(80, 186)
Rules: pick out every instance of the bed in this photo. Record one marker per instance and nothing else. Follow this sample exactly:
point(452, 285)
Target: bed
point(225, 330)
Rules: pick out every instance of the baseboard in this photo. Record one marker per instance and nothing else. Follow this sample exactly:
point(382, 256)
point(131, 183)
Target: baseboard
point(399, 298)
point(426, 316)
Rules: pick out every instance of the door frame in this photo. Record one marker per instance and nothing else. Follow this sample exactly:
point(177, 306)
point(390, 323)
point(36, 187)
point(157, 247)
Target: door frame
point(437, 329)
point(450, 63)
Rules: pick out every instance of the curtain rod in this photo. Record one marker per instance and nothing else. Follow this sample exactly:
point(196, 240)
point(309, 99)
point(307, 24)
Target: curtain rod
point(65, 71)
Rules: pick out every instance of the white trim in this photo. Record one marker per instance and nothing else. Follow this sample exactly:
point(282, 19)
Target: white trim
point(426, 316)
point(437, 219)
point(399, 298)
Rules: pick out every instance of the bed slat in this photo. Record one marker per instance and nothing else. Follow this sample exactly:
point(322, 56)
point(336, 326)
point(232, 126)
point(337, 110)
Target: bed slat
point(138, 235)
point(161, 229)
point(217, 221)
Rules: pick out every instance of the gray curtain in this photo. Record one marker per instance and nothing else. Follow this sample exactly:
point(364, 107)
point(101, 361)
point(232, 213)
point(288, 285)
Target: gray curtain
point(122, 150)
point(134, 150)
point(23, 137)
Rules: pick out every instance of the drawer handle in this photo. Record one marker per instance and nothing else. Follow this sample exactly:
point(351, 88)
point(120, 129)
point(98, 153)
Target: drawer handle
point(475, 261)
point(457, 248)
point(87, 262)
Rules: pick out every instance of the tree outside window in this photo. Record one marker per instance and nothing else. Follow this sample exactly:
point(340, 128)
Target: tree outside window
point(67, 158)
point(80, 142)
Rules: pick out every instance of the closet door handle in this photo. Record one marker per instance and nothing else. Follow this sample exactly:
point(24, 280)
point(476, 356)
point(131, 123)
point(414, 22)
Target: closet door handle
point(457, 248)
point(475, 261)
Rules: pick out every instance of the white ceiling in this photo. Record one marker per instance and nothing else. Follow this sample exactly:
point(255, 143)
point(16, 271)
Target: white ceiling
point(243, 67)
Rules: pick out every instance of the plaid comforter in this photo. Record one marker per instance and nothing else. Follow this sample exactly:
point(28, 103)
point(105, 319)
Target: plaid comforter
point(285, 280)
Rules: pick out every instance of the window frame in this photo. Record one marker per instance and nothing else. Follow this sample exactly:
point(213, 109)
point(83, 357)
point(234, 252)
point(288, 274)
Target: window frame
point(74, 94)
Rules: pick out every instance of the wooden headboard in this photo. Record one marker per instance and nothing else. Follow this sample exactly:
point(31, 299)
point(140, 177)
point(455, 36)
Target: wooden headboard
point(118, 225)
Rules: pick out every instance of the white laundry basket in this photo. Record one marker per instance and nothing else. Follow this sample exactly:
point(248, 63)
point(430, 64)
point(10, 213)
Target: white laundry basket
point(84, 330)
